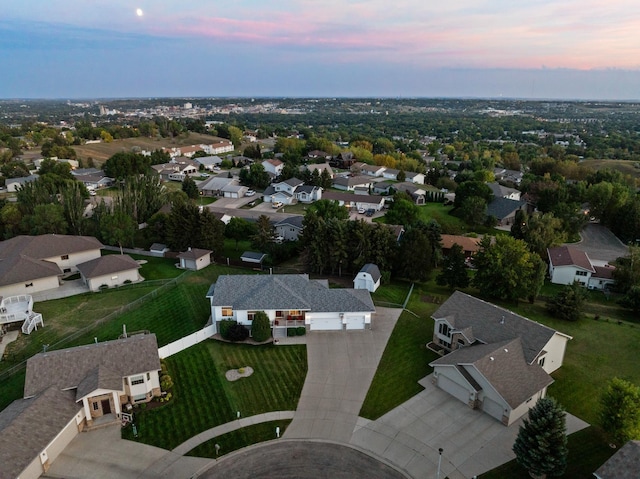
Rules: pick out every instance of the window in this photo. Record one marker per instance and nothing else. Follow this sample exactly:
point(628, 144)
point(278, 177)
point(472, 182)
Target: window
point(148, 376)
point(66, 270)
point(227, 311)
point(64, 256)
point(443, 328)
point(581, 273)
point(139, 397)
point(295, 312)
point(137, 380)
point(460, 342)
point(541, 362)
point(279, 314)
point(95, 406)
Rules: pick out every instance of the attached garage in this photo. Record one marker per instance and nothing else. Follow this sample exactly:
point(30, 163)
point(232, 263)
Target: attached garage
point(492, 408)
point(326, 322)
point(453, 388)
point(354, 321)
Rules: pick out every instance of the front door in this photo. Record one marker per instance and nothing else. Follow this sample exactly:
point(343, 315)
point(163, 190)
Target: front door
point(106, 406)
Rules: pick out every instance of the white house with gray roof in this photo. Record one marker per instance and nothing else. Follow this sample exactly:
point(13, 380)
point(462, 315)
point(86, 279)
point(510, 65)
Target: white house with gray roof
point(65, 391)
point(493, 359)
point(290, 228)
point(290, 300)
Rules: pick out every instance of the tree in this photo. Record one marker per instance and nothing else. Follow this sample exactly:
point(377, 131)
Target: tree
point(473, 210)
point(190, 188)
point(235, 135)
point(541, 444)
point(540, 231)
point(260, 327)
point(255, 176)
point(210, 233)
point(264, 233)
point(631, 299)
point(568, 304)
point(620, 411)
point(238, 229)
point(118, 228)
point(402, 211)
point(121, 165)
point(401, 175)
point(46, 219)
point(627, 272)
point(414, 255)
point(472, 188)
point(507, 269)
point(454, 272)
point(183, 226)
point(328, 209)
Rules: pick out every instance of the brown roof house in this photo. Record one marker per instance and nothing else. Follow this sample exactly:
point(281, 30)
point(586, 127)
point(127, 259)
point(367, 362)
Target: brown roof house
point(624, 464)
point(194, 259)
point(493, 359)
point(568, 265)
point(69, 389)
point(29, 264)
point(470, 246)
point(109, 271)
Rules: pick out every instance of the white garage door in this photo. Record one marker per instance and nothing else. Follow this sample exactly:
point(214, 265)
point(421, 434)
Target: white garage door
point(355, 322)
point(325, 323)
point(492, 408)
point(453, 388)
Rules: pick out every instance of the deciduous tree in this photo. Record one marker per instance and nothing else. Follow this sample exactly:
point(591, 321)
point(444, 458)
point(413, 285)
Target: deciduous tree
point(454, 272)
point(620, 411)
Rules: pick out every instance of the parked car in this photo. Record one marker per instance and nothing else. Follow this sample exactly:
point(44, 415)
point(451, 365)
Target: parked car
point(277, 204)
point(361, 210)
point(370, 212)
point(250, 193)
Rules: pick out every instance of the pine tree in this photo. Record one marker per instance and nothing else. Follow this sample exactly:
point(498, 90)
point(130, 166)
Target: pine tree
point(454, 270)
point(260, 327)
point(541, 445)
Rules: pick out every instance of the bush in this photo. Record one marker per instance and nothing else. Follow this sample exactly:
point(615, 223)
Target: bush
point(237, 332)
point(292, 332)
point(224, 327)
point(301, 331)
point(166, 382)
point(261, 329)
point(568, 304)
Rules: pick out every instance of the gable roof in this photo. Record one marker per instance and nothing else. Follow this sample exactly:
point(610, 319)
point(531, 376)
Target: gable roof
point(493, 324)
point(109, 264)
point(350, 181)
point(568, 256)
point(253, 257)
point(371, 269)
point(467, 243)
point(286, 291)
point(503, 207)
point(500, 191)
point(27, 426)
point(68, 368)
point(194, 253)
point(603, 272)
point(292, 182)
point(504, 367)
point(294, 221)
point(624, 464)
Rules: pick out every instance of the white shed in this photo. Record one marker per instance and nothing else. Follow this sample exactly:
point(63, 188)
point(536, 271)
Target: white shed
point(367, 278)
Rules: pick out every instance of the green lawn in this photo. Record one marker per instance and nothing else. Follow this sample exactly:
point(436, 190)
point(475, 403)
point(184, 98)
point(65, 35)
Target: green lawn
point(587, 452)
point(155, 268)
point(394, 293)
point(404, 362)
point(232, 441)
point(234, 252)
point(11, 388)
point(450, 224)
point(203, 398)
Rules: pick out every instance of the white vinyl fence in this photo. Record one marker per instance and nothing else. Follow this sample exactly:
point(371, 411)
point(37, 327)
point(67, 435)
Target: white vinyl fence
point(186, 342)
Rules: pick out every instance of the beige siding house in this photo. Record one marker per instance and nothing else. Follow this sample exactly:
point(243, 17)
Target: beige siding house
point(493, 359)
point(110, 271)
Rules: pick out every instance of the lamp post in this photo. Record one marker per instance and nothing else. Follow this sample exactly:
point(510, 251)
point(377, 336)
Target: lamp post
point(439, 461)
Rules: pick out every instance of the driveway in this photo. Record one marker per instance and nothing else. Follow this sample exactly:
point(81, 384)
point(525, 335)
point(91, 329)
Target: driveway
point(341, 366)
point(409, 436)
point(601, 244)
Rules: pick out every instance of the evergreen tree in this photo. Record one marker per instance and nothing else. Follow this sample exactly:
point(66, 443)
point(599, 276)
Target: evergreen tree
point(568, 303)
point(541, 445)
point(190, 188)
point(454, 270)
point(260, 327)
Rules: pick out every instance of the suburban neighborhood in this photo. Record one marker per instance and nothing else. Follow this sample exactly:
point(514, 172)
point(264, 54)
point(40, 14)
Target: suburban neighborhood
point(189, 309)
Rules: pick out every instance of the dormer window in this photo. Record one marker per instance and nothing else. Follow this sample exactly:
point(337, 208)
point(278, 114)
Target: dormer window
point(444, 329)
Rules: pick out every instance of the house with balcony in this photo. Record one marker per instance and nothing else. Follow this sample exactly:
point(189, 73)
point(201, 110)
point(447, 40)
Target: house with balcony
point(18, 310)
point(493, 359)
point(290, 300)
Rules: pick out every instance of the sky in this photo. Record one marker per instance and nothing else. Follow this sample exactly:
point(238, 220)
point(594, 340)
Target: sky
point(562, 49)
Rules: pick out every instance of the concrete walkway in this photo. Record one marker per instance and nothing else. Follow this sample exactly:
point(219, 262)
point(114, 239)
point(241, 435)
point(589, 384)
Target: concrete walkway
point(204, 436)
point(341, 366)
point(9, 337)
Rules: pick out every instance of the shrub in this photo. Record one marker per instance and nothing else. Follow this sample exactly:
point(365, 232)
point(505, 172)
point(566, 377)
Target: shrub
point(128, 281)
point(237, 332)
point(620, 410)
point(568, 304)
point(241, 371)
point(166, 382)
point(143, 405)
point(261, 329)
point(301, 331)
point(224, 327)
point(292, 332)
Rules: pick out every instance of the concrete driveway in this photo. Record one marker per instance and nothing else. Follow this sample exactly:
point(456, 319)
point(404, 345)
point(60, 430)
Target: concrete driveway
point(601, 244)
point(341, 366)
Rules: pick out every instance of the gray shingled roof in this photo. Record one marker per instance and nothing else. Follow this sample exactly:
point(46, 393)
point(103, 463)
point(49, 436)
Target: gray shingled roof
point(486, 320)
point(194, 253)
point(373, 270)
point(28, 425)
point(624, 464)
point(504, 367)
point(293, 182)
point(287, 291)
point(503, 207)
point(68, 368)
point(109, 264)
point(295, 221)
point(500, 191)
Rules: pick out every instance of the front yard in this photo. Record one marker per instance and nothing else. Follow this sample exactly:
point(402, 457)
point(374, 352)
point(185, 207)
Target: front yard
point(203, 398)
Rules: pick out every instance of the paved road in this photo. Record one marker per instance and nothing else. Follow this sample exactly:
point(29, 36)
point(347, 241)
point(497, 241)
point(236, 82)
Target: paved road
point(601, 244)
point(301, 460)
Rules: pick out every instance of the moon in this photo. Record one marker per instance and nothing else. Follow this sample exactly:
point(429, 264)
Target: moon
point(139, 12)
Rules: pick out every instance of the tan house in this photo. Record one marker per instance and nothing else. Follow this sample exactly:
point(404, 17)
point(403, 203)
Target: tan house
point(493, 359)
point(66, 391)
point(195, 259)
point(109, 271)
point(29, 264)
